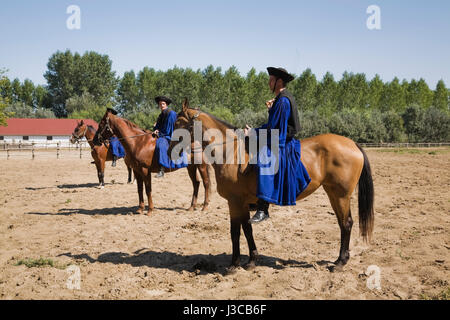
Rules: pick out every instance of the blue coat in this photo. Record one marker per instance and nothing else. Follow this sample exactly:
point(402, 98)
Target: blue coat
point(165, 125)
point(289, 178)
point(117, 148)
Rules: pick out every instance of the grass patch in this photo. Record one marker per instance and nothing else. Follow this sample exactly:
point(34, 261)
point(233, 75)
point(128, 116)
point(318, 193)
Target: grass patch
point(443, 295)
point(39, 263)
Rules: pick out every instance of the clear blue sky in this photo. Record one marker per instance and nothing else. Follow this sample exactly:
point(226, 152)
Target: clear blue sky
point(327, 35)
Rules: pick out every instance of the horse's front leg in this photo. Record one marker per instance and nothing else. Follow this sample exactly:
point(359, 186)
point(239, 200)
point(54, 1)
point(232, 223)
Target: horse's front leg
point(148, 191)
point(235, 231)
point(204, 173)
point(248, 232)
point(192, 170)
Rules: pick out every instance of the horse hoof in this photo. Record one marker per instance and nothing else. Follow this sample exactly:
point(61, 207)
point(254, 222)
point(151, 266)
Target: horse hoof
point(250, 266)
point(191, 208)
point(101, 187)
point(149, 213)
point(139, 211)
point(205, 208)
point(231, 270)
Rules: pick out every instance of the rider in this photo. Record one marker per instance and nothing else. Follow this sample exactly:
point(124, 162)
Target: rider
point(163, 129)
point(291, 178)
point(117, 149)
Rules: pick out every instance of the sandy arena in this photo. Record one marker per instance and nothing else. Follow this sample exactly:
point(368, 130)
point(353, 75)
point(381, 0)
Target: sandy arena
point(51, 208)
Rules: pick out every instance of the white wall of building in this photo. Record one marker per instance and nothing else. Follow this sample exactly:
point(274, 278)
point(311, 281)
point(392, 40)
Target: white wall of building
point(39, 141)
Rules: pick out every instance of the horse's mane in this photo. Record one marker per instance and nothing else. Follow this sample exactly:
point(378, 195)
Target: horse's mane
point(223, 122)
point(91, 128)
point(132, 125)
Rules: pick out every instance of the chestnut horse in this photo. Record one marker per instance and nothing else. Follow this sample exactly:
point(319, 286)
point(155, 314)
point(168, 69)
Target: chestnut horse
point(140, 145)
point(100, 153)
point(334, 162)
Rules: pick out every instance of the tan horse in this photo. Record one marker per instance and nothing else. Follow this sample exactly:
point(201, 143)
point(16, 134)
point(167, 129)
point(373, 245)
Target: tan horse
point(100, 154)
point(140, 146)
point(334, 162)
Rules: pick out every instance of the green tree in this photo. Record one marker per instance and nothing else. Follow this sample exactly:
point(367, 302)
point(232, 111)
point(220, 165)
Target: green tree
point(376, 88)
point(4, 99)
point(393, 97)
point(128, 92)
point(71, 75)
point(26, 94)
point(304, 90)
point(441, 97)
point(326, 96)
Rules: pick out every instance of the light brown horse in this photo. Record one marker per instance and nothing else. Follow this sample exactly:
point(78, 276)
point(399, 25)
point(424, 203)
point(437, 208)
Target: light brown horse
point(100, 153)
point(334, 162)
point(140, 146)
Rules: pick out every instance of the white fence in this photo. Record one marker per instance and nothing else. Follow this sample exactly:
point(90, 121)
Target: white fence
point(49, 149)
point(406, 145)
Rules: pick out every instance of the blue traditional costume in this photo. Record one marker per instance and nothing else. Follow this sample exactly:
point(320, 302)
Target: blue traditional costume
point(165, 124)
point(281, 182)
point(117, 149)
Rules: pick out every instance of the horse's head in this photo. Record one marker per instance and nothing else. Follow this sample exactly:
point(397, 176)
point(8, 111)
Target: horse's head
point(185, 120)
point(104, 131)
point(79, 132)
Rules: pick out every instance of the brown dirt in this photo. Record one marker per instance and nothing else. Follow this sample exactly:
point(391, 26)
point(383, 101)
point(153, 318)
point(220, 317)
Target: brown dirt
point(52, 209)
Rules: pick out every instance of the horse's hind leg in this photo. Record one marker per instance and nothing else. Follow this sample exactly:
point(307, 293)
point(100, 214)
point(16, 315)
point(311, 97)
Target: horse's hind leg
point(341, 206)
point(129, 175)
point(192, 170)
point(140, 187)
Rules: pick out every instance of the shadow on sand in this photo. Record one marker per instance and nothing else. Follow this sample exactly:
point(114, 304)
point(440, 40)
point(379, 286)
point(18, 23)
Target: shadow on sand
point(199, 263)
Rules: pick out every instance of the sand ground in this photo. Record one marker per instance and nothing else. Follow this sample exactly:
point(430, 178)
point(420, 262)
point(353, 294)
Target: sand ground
point(50, 208)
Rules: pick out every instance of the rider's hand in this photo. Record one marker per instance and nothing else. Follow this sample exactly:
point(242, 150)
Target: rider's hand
point(269, 103)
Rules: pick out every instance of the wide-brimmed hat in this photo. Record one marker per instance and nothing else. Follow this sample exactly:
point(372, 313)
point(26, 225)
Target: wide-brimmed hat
point(163, 98)
point(280, 73)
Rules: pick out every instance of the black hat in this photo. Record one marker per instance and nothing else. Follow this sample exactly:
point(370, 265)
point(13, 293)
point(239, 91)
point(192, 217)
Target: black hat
point(280, 73)
point(163, 98)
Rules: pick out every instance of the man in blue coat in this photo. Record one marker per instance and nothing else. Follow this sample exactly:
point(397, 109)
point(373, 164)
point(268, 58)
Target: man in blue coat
point(281, 186)
point(163, 129)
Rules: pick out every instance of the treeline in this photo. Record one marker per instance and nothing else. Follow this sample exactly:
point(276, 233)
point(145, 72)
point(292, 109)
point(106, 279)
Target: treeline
point(366, 110)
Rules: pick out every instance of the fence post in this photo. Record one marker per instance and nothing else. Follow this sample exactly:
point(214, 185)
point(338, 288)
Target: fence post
point(32, 151)
point(7, 154)
point(57, 150)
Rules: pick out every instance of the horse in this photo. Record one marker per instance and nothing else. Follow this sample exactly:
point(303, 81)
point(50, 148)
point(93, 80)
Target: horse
point(140, 145)
point(332, 161)
point(100, 153)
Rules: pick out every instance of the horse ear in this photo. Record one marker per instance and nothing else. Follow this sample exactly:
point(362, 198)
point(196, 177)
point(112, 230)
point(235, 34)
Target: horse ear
point(114, 112)
point(185, 104)
point(81, 122)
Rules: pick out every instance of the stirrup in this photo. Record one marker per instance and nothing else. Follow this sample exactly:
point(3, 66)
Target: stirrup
point(160, 174)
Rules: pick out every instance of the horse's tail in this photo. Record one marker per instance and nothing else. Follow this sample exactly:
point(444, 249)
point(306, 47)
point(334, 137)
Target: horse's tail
point(365, 199)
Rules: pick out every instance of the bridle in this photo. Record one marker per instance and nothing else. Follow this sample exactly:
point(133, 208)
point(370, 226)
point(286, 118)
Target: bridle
point(107, 127)
point(79, 137)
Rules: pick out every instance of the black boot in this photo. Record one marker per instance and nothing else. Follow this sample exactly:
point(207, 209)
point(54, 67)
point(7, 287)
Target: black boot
point(160, 173)
point(262, 212)
point(114, 161)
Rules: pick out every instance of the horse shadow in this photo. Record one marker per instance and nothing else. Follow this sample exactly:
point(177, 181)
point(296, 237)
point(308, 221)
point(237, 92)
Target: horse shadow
point(201, 264)
point(90, 212)
point(82, 185)
point(103, 211)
